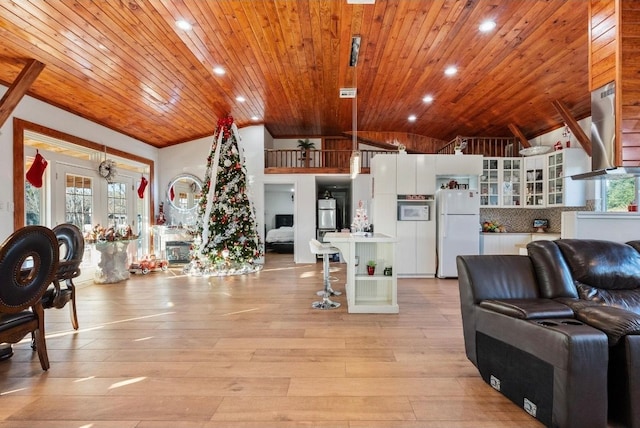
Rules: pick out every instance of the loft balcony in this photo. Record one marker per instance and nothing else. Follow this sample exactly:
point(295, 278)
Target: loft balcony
point(297, 161)
point(320, 161)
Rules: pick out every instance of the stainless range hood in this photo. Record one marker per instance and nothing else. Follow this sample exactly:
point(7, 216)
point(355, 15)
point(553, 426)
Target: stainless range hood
point(603, 133)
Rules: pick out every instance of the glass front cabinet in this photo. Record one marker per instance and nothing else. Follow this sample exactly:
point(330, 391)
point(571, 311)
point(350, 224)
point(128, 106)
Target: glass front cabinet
point(511, 182)
point(501, 182)
point(489, 183)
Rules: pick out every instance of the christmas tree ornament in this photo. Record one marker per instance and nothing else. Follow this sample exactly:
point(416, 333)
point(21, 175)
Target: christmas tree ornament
point(227, 241)
point(36, 171)
point(360, 220)
point(142, 186)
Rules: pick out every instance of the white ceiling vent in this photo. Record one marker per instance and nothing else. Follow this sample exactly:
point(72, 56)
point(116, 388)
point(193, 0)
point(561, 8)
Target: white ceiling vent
point(348, 92)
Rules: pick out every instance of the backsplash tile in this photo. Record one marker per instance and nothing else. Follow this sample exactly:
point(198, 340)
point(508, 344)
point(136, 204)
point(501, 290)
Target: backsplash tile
point(521, 219)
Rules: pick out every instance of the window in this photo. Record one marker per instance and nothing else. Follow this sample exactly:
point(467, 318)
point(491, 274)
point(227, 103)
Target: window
point(33, 204)
point(34, 199)
point(117, 206)
point(620, 193)
point(79, 201)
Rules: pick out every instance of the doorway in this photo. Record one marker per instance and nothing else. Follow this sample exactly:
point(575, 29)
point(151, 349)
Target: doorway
point(338, 188)
point(279, 222)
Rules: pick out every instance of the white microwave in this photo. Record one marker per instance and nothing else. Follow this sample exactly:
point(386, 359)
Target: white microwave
point(413, 212)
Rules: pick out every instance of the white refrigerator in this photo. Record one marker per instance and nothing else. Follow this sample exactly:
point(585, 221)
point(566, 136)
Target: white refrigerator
point(458, 228)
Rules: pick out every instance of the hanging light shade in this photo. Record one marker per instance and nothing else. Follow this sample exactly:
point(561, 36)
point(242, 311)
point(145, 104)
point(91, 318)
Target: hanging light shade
point(355, 163)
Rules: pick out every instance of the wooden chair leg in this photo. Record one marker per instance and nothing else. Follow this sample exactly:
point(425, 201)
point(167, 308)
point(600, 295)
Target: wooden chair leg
point(41, 345)
point(72, 306)
point(41, 348)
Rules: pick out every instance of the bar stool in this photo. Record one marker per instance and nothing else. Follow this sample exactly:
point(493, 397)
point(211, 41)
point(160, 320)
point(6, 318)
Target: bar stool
point(326, 250)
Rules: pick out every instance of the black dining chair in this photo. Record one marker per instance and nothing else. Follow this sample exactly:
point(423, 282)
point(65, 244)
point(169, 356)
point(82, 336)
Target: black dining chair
point(28, 263)
point(71, 249)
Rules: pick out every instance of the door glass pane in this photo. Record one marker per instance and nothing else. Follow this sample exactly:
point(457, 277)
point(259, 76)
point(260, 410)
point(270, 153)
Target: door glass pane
point(117, 206)
point(79, 201)
point(33, 204)
point(33, 199)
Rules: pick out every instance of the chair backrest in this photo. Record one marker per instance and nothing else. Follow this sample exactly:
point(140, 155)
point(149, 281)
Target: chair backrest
point(28, 263)
point(71, 247)
point(71, 238)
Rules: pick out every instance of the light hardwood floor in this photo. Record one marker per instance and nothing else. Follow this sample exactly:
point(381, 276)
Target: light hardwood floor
point(164, 350)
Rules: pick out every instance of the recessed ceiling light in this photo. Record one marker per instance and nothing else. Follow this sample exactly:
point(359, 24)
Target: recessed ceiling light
point(487, 26)
point(412, 118)
point(219, 70)
point(450, 71)
point(427, 99)
point(255, 118)
point(240, 99)
point(183, 25)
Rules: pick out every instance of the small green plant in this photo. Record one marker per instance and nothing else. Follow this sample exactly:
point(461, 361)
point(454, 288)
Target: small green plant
point(371, 263)
point(306, 144)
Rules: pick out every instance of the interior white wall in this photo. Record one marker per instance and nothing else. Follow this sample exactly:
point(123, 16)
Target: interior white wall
point(191, 157)
point(281, 200)
point(38, 112)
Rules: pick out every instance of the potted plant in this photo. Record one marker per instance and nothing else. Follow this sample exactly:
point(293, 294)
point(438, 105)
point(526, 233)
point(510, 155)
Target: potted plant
point(305, 145)
point(371, 267)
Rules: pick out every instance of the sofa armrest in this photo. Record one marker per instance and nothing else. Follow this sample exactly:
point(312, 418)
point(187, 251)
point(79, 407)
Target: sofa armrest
point(615, 322)
point(528, 309)
point(577, 352)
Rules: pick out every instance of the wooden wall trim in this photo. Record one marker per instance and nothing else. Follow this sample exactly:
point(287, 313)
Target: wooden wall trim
point(20, 126)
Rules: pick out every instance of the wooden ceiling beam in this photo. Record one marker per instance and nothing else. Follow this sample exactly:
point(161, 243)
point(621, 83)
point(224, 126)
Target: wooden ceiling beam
point(19, 88)
point(524, 142)
point(573, 125)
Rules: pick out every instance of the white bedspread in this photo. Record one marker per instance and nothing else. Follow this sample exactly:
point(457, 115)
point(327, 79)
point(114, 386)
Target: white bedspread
point(281, 234)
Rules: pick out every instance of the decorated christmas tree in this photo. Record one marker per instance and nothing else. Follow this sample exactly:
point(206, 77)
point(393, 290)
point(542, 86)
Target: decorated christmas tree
point(360, 220)
point(228, 242)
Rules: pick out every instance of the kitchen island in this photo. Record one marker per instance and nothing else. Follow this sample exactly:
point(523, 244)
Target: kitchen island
point(366, 293)
point(610, 226)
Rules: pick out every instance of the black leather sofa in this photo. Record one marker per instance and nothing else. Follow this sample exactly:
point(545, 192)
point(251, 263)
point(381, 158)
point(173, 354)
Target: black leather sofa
point(558, 331)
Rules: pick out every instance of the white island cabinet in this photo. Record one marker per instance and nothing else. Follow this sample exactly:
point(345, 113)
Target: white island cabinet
point(377, 293)
point(609, 226)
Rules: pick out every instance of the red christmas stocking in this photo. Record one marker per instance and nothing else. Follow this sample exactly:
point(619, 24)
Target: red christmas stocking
point(35, 173)
point(143, 185)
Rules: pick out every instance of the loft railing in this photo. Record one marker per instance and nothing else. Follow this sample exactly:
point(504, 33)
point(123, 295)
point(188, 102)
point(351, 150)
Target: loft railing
point(486, 146)
point(299, 161)
point(285, 161)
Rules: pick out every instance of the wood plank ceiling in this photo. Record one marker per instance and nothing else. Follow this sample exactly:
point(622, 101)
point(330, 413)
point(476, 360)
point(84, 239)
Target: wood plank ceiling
point(126, 65)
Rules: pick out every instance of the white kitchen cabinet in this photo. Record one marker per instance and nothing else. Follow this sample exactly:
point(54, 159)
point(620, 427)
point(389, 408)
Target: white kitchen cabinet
point(501, 182)
point(383, 173)
point(385, 213)
point(534, 176)
point(459, 165)
point(425, 174)
point(511, 243)
point(406, 174)
point(376, 293)
point(415, 174)
point(511, 182)
point(503, 243)
point(610, 226)
point(415, 249)
point(561, 189)
point(490, 183)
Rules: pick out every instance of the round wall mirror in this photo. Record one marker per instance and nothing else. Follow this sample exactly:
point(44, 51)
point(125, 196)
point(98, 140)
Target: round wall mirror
point(184, 191)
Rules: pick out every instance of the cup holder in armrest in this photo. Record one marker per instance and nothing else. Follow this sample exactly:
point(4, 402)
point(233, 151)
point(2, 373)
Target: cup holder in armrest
point(556, 323)
point(547, 323)
point(571, 322)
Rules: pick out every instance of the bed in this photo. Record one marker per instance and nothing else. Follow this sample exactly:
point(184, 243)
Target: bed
point(280, 239)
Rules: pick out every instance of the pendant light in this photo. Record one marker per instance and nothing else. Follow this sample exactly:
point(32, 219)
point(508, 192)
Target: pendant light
point(355, 162)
